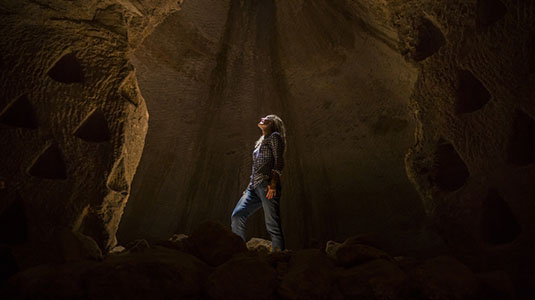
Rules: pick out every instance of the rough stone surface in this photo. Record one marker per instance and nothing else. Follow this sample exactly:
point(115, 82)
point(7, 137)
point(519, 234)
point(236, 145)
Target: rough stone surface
point(70, 139)
point(215, 243)
point(310, 276)
point(377, 279)
point(243, 278)
point(351, 252)
point(330, 69)
point(473, 101)
point(259, 245)
point(158, 273)
point(443, 278)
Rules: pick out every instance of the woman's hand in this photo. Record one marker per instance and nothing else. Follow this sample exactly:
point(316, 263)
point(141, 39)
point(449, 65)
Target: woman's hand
point(271, 191)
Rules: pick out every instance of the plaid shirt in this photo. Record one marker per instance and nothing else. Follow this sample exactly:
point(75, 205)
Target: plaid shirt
point(267, 158)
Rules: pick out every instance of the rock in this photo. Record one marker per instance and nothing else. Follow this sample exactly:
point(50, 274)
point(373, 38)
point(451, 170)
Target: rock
point(137, 245)
point(215, 243)
point(351, 252)
point(117, 250)
point(243, 278)
point(178, 242)
point(310, 276)
point(259, 245)
point(495, 285)
point(157, 273)
point(76, 246)
point(376, 279)
point(64, 67)
point(443, 277)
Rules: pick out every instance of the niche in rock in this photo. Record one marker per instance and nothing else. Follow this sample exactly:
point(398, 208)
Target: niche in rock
point(19, 114)
point(489, 12)
point(471, 93)
point(522, 141)
point(498, 223)
point(49, 165)
point(449, 171)
point(13, 223)
point(67, 70)
point(94, 128)
point(430, 40)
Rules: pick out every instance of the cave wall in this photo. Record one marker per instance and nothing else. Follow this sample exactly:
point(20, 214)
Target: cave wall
point(72, 123)
point(475, 139)
point(335, 78)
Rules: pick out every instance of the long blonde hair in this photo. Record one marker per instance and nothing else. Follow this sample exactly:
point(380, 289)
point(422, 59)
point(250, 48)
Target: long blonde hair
point(276, 126)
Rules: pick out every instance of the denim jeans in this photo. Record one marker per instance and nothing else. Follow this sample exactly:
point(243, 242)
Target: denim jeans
point(249, 203)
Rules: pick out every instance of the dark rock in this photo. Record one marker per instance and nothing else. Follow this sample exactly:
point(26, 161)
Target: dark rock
point(311, 275)
point(215, 243)
point(137, 245)
point(351, 252)
point(243, 278)
point(377, 279)
point(157, 273)
point(443, 277)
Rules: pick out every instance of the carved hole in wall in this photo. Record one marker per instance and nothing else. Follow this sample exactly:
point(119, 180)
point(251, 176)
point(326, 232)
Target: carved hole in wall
point(430, 40)
point(94, 128)
point(49, 165)
point(67, 70)
point(19, 114)
point(13, 223)
point(471, 93)
point(522, 141)
point(449, 172)
point(498, 223)
point(489, 12)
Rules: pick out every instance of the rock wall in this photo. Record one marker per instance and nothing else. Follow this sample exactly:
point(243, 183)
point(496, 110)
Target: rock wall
point(334, 77)
point(473, 158)
point(72, 122)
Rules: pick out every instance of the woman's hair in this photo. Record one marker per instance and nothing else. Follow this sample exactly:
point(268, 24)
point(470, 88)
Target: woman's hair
point(276, 126)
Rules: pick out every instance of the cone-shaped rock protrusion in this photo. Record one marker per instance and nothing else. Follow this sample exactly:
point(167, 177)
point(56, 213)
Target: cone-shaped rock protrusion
point(117, 179)
point(94, 128)
point(430, 40)
point(450, 172)
point(488, 12)
point(471, 93)
point(49, 165)
point(522, 142)
point(19, 114)
point(67, 70)
point(13, 223)
point(498, 223)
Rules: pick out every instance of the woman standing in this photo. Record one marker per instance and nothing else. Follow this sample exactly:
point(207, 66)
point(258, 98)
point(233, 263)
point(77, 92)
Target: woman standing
point(264, 189)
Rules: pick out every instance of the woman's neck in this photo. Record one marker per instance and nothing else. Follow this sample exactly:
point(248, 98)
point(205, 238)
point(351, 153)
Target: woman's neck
point(266, 133)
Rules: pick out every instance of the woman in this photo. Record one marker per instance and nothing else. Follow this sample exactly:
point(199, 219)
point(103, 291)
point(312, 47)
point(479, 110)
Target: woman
point(264, 189)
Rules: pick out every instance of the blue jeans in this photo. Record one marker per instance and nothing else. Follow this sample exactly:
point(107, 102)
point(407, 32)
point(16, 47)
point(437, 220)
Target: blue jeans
point(250, 202)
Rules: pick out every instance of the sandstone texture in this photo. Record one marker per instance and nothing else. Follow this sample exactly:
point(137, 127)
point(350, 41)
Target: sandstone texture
point(72, 122)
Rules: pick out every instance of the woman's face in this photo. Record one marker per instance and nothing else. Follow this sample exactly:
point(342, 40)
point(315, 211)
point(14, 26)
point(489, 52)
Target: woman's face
point(265, 123)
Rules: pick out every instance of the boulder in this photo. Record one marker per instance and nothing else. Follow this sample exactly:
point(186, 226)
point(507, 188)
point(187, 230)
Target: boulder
point(376, 279)
point(259, 245)
point(243, 278)
point(310, 275)
point(157, 273)
point(138, 245)
point(443, 277)
point(215, 243)
point(351, 252)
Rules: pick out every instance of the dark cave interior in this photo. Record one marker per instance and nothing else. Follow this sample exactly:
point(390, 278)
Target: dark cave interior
point(126, 128)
